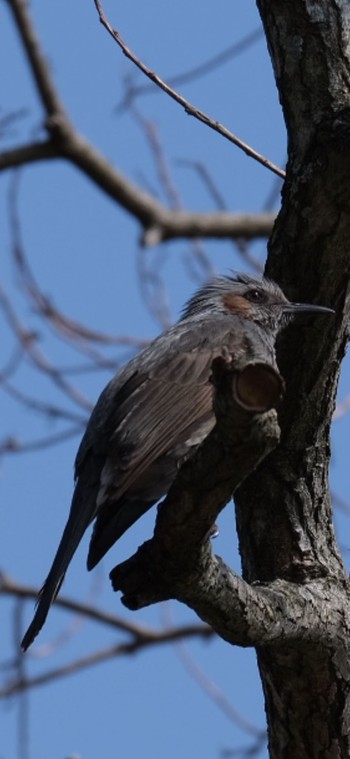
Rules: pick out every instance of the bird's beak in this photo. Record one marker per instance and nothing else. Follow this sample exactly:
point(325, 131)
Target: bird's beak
point(294, 308)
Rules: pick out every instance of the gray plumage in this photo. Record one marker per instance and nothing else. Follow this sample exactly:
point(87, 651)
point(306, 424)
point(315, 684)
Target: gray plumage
point(154, 413)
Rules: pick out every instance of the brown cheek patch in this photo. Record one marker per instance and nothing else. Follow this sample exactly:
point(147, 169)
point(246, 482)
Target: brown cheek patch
point(237, 304)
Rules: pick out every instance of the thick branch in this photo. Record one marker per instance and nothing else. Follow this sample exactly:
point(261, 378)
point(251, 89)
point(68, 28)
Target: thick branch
point(291, 536)
point(13, 589)
point(159, 223)
point(177, 561)
point(30, 153)
point(309, 256)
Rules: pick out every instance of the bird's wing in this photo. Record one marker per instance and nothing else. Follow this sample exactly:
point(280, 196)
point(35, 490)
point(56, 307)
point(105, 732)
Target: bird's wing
point(160, 412)
point(152, 404)
point(153, 413)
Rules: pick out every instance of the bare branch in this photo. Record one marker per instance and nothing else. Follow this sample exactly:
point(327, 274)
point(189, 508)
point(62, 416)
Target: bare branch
point(112, 652)
point(159, 222)
point(151, 284)
point(184, 224)
point(177, 562)
point(9, 587)
point(63, 325)
point(214, 192)
point(13, 445)
point(7, 120)
point(27, 340)
point(216, 694)
point(207, 685)
point(197, 72)
point(189, 108)
point(39, 67)
point(141, 636)
point(36, 151)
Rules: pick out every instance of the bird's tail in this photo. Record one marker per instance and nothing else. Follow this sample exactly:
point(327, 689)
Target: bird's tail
point(78, 521)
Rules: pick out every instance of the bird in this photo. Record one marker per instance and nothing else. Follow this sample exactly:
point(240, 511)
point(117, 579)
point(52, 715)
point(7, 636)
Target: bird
point(155, 413)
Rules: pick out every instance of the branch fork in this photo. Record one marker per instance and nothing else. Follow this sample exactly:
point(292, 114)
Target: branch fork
point(178, 559)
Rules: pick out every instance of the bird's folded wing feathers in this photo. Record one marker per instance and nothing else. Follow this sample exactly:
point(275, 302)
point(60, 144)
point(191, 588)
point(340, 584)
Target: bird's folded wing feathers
point(155, 417)
point(149, 408)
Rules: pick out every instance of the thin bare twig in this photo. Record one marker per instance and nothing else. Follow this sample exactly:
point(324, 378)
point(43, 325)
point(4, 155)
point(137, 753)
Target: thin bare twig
point(216, 694)
point(63, 325)
point(150, 279)
point(13, 445)
point(241, 244)
point(190, 109)
point(43, 407)
point(27, 340)
point(158, 222)
point(207, 685)
point(141, 636)
point(111, 652)
point(8, 120)
point(10, 587)
point(196, 72)
point(20, 666)
point(340, 503)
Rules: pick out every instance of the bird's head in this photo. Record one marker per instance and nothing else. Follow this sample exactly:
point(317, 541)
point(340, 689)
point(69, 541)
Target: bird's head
point(259, 300)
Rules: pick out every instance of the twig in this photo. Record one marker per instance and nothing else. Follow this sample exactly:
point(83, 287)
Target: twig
point(27, 340)
point(63, 325)
point(190, 109)
point(208, 686)
point(111, 652)
point(197, 71)
point(141, 636)
point(240, 243)
point(9, 587)
point(156, 302)
point(158, 222)
point(12, 445)
point(46, 408)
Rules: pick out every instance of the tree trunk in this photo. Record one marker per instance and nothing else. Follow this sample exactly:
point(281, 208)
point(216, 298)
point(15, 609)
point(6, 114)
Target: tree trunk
point(293, 603)
point(284, 509)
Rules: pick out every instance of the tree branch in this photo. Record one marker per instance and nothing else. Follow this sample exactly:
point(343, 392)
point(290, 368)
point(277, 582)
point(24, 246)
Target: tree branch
point(134, 91)
point(177, 562)
point(293, 538)
point(30, 153)
point(139, 636)
point(159, 223)
point(190, 109)
point(38, 64)
point(9, 587)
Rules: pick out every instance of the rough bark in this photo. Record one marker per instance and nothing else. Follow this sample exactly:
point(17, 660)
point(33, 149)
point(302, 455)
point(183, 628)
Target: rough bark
point(293, 603)
point(284, 510)
point(178, 561)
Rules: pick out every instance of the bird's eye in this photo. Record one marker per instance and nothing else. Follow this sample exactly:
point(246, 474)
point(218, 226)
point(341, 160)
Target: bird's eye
point(256, 296)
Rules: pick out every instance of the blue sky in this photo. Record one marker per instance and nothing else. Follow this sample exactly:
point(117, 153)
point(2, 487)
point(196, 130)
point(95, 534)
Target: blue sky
point(84, 252)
